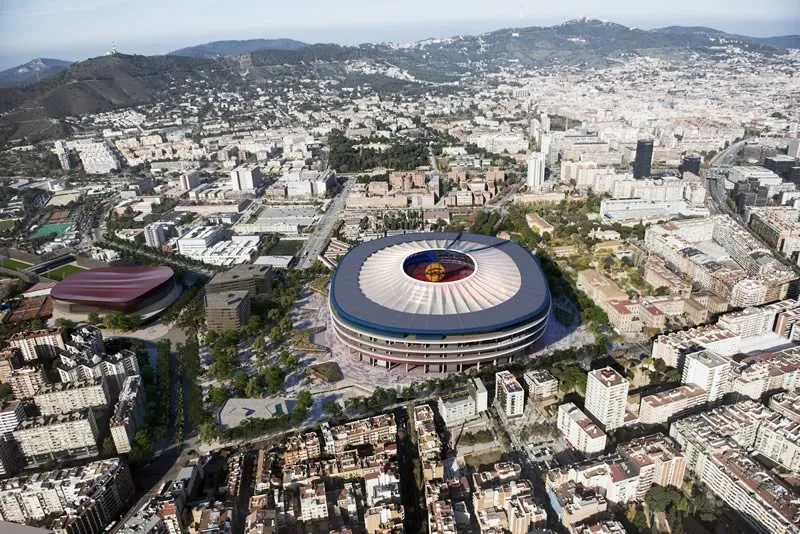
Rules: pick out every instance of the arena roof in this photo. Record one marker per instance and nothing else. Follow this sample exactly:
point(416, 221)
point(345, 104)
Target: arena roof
point(111, 285)
point(503, 286)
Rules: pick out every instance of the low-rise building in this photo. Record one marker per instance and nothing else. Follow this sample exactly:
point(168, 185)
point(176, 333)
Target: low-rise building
point(373, 430)
point(541, 384)
point(229, 310)
point(465, 404)
point(657, 461)
point(255, 279)
point(301, 448)
point(313, 503)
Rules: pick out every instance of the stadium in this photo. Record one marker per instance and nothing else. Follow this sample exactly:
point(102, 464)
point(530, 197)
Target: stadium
point(142, 290)
point(438, 301)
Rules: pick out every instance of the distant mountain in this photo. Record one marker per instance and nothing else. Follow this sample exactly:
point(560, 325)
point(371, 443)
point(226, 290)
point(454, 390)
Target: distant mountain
point(33, 71)
point(237, 48)
point(778, 41)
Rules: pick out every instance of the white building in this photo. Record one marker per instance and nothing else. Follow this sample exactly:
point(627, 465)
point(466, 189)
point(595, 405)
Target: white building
point(709, 371)
point(10, 416)
point(313, 503)
point(579, 430)
point(606, 397)
point(114, 367)
point(190, 180)
point(536, 164)
point(541, 384)
point(246, 178)
point(128, 414)
point(39, 344)
point(97, 158)
point(154, 235)
point(464, 405)
point(199, 239)
point(509, 394)
point(778, 439)
point(661, 407)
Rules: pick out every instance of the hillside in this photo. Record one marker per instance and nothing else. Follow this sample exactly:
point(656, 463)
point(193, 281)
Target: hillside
point(99, 84)
point(236, 48)
point(33, 71)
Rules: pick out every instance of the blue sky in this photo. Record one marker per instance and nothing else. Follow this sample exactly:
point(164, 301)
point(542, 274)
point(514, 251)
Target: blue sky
point(77, 29)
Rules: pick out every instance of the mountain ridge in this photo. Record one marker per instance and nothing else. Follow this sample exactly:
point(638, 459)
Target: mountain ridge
point(34, 70)
point(214, 49)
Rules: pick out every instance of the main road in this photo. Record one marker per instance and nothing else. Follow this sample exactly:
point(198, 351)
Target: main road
point(318, 240)
point(715, 179)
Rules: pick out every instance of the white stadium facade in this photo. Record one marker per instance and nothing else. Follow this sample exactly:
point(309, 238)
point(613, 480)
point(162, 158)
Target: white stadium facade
point(438, 301)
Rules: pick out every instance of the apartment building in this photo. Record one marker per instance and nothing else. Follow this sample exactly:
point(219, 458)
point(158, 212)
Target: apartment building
point(313, 503)
point(227, 311)
point(11, 414)
point(24, 380)
point(44, 438)
point(709, 371)
point(755, 321)
point(617, 480)
point(541, 384)
point(87, 365)
point(373, 430)
point(39, 344)
point(465, 404)
point(579, 430)
point(84, 499)
point(154, 235)
point(64, 397)
point(778, 438)
point(301, 448)
point(759, 374)
point(128, 414)
point(765, 502)
point(657, 460)
point(386, 518)
point(10, 460)
point(671, 348)
point(670, 404)
point(199, 239)
point(606, 397)
point(787, 404)
point(509, 394)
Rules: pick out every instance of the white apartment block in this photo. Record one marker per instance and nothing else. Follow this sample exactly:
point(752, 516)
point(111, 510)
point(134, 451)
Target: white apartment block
point(536, 164)
point(787, 404)
point(778, 439)
point(128, 414)
point(671, 347)
point(39, 344)
point(509, 394)
point(709, 371)
point(606, 397)
point(10, 416)
point(44, 438)
point(189, 180)
point(662, 407)
point(63, 397)
point(313, 503)
point(199, 238)
point(464, 405)
point(541, 384)
point(756, 375)
point(754, 321)
point(579, 430)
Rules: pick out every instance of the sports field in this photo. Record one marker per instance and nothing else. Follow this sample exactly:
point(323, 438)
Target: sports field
point(58, 229)
point(63, 272)
point(17, 265)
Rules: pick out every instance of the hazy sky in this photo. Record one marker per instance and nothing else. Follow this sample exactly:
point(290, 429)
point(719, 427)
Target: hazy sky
point(77, 29)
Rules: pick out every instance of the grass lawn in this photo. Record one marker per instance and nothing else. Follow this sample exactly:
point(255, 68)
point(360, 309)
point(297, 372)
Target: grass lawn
point(17, 265)
point(63, 272)
point(8, 224)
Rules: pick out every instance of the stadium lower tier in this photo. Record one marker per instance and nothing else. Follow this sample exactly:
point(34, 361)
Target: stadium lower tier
point(439, 354)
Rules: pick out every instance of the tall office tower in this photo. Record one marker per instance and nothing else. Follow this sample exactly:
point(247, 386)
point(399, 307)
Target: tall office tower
point(246, 178)
point(154, 235)
point(691, 163)
point(535, 171)
point(644, 157)
point(606, 395)
point(709, 371)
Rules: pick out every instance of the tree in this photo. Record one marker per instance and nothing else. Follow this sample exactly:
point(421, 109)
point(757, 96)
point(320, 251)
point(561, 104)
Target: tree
point(332, 408)
point(253, 388)
point(64, 323)
point(94, 318)
point(217, 396)
point(36, 324)
point(108, 447)
point(5, 392)
point(273, 379)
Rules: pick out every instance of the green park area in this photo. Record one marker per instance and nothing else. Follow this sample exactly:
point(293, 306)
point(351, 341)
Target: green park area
point(63, 272)
point(16, 265)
